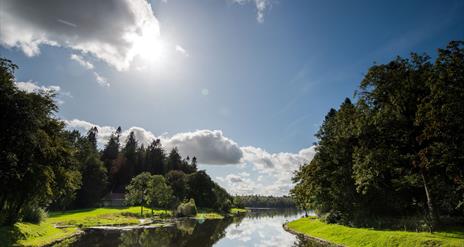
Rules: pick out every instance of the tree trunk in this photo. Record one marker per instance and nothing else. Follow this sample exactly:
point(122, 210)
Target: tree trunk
point(141, 210)
point(430, 204)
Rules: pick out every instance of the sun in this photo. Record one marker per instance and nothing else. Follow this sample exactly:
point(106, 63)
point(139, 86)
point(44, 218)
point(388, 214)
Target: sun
point(149, 47)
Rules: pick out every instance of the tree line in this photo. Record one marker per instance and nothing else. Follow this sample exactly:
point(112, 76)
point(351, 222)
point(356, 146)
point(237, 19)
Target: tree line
point(259, 201)
point(397, 151)
point(45, 166)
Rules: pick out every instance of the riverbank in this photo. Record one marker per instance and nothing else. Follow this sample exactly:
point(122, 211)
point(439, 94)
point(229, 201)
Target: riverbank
point(348, 236)
point(62, 225)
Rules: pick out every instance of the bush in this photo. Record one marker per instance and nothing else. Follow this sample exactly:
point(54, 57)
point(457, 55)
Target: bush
point(34, 215)
point(187, 209)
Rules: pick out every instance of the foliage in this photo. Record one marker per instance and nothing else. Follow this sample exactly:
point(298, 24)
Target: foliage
point(206, 193)
point(137, 190)
point(34, 215)
point(148, 190)
point(187, 209)
point(159, 194)
point(259, 201)
point(397, 151)
point(34, 150)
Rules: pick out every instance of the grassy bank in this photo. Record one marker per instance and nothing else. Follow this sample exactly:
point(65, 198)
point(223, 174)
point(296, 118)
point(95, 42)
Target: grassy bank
point(61, 225)
point(349, 236)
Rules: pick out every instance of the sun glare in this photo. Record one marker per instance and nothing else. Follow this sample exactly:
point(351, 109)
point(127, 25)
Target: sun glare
point(149, 47)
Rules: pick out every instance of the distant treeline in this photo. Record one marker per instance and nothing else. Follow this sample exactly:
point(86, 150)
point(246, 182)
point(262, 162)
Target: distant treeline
point(45, 166)
point(258, 201)
point(398, 151)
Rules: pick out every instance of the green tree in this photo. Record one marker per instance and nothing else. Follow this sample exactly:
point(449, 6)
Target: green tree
point(159, 194)
point(127, 170)
point(33, 149)
point(94, 182)
point(178, 182)
point(440, 118)
point(174, 160)
point(111, 150)
point(138, 189)
point(155, 158)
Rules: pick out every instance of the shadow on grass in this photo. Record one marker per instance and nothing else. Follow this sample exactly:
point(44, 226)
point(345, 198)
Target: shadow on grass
point(10, 235)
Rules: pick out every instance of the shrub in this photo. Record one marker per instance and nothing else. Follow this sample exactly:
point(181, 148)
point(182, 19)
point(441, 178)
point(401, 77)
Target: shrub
point(186, 209)
point(34, 215)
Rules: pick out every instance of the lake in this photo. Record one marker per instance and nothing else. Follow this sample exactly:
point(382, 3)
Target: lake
point(260, 227)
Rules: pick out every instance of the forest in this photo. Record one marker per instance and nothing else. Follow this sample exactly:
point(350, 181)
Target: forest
point(44, 166)
point(259, 201)
point(397, 151)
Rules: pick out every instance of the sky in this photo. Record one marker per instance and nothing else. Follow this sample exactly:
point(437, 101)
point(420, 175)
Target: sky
point(243, 85)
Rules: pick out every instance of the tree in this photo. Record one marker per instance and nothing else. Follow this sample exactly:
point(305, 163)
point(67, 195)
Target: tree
point(138, 189)
point(94, 182)
point(111, 150)
point(178, 182)
point(159, 194)
point(127, 171)
point(155, 158)
point(398, 150)
point(174, 160)
point(92, 136)
point(33, 149)
point(441, 139)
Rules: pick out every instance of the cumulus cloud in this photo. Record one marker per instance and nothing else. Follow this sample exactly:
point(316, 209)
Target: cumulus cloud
point(212, 147)
point(143, 136)
point(114, 31)
point(209, 146)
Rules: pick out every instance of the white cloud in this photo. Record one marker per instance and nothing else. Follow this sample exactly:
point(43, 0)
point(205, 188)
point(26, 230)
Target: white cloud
point(102, 81)
point(79, 59)
point(261, 7)
point(181, 50)
point(209, 146)
point(31, 86)
point(143, 136)
point(274, 170)
point(115, 31)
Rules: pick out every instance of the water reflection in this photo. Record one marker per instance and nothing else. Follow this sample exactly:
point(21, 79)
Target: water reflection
point(262, 228)
point(257, 228)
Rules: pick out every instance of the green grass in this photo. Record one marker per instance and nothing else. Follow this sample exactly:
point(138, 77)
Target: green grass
point(238, 211)
point(102, 216)
point(349, 236)
point(209, 216)
point(28, 234)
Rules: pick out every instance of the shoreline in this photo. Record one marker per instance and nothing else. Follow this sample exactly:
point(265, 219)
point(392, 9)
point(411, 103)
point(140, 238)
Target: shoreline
point(320, 241)
point(314, 230)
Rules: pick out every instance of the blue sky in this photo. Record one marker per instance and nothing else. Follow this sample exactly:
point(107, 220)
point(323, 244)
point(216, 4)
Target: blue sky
point(263, 73)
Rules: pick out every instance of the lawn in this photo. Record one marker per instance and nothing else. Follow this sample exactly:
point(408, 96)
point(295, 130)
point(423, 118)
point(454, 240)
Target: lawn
point(349, 236)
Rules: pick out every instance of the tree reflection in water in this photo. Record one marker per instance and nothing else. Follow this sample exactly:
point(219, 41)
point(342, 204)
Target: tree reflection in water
point(182, 233)
point(257, 228)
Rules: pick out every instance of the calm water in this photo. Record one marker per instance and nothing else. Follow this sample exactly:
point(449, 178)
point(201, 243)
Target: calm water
point(257, 228)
